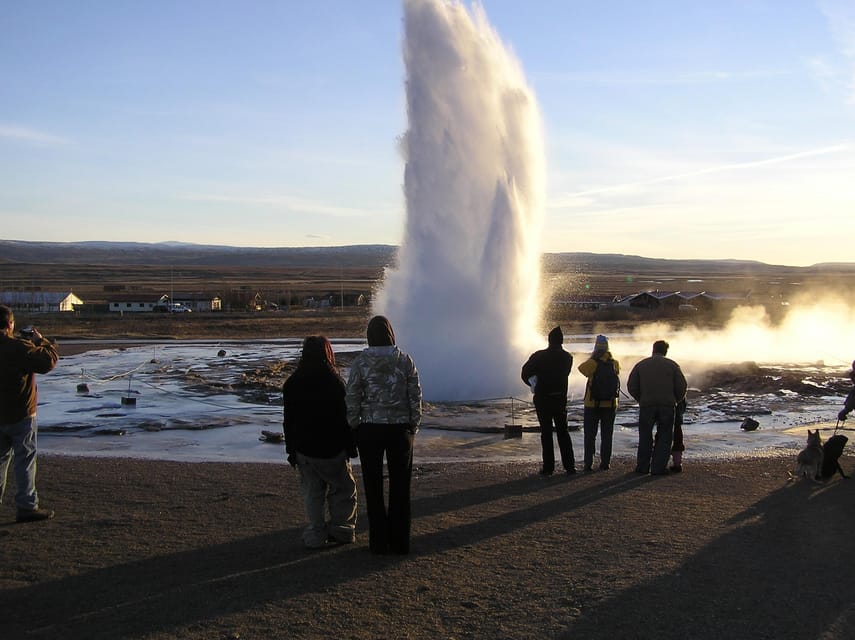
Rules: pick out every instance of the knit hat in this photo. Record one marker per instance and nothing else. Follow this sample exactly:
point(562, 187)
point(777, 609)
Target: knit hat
point(602, 343)
point(556, 336)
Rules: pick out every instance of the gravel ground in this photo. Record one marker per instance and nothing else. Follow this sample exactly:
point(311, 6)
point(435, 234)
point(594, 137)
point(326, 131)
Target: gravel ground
point(148, 549)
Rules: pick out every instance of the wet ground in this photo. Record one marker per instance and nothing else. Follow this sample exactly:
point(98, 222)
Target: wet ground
point(202, 400)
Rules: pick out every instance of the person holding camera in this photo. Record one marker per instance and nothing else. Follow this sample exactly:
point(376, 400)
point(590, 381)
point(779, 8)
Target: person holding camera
point(21, 358)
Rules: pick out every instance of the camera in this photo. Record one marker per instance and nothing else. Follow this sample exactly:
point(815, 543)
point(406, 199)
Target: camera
point(27, 333)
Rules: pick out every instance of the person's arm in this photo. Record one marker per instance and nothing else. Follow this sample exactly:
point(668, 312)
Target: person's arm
point(353, 395)
point(633, 384)
point(414, 395)
point(680, 384)
point(848, 405)
point(40, 355)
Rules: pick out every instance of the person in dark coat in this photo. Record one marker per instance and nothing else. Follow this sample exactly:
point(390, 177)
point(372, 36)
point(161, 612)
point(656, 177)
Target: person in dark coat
point(318, 442)
point(658, 384)
point(20, 360)
point(546, 372)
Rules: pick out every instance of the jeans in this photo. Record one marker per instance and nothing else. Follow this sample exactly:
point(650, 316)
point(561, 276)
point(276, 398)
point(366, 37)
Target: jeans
point(388, 529)
point(604, 418)
point(18, 444)
point(327, 483)
point(655, 458)
point(553, 409)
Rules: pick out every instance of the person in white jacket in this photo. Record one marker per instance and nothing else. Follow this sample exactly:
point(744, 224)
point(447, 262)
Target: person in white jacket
point(384, 407)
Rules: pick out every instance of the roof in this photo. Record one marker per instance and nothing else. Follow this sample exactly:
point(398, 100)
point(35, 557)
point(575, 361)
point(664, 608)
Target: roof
point(34, 297)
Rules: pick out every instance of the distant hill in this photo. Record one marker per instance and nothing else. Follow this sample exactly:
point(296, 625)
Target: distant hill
point(372, 256)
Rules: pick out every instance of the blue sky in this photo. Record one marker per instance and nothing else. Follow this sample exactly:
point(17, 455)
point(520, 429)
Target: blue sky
point(673, 128)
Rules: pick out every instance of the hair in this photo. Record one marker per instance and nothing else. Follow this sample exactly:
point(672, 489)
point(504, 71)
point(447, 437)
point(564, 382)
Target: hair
point(6, 316)
point(317, 354)
point(660, 347)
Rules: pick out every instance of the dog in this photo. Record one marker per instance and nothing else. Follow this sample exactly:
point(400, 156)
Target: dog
point(809, 460)
point(831, 452)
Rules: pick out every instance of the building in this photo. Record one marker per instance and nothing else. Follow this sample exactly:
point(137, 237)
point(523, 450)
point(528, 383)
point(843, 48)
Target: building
point(39, 301)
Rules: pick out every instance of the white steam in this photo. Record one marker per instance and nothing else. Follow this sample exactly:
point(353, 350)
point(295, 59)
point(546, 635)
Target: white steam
point(463, 299)
point(812, 331)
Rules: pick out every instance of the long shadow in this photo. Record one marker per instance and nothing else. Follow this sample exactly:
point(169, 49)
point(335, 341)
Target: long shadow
point(783, 572)
point(158, 594)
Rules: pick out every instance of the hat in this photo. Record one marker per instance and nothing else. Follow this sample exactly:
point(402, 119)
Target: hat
point(602, 342)
point(556, 336)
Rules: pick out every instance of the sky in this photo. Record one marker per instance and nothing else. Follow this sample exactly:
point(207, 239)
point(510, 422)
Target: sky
point(673, 128)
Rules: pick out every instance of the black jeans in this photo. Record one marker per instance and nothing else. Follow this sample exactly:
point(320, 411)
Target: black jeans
point(604, 419)
point(553, 409)
point(388, 529)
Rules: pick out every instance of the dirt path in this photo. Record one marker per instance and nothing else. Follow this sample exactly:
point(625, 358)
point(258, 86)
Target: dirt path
point(164, 550)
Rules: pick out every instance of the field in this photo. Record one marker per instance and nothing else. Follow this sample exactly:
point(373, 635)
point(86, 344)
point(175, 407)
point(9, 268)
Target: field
point(291, 276)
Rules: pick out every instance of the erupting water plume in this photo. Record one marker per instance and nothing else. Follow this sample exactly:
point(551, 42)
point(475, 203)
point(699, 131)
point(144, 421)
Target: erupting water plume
point(463, 298)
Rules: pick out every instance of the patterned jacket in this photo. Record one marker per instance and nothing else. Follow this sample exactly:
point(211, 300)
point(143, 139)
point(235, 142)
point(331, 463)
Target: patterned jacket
point(383, 388)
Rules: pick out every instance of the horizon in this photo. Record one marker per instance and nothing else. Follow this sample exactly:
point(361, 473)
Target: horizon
point(679, 131)
point(178, 243)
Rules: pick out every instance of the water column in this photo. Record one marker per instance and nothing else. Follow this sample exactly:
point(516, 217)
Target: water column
point(463, 296)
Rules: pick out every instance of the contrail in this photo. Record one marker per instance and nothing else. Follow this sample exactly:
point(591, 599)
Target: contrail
point(727, 167)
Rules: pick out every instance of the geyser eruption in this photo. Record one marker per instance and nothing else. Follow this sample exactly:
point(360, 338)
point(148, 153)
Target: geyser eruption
point(464, 296)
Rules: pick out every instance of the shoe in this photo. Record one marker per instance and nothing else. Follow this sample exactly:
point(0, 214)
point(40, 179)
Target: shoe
point(676, 468)
point(545, 472)
point(333, 540)
point(571, 471)
point(33, 515)
point(587, 469)
point(660, 473)
point(643, 472)
point(604, 467)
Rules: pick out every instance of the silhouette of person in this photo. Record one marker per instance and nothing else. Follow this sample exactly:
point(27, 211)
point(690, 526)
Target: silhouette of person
point(658, 384)
point(319, 443)
point(546, 371)
point(20, 360)
point(599, 413)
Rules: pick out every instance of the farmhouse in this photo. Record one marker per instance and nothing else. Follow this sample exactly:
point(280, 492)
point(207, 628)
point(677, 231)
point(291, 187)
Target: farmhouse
point(39, 301)
point(144, 302)
point(136, 302)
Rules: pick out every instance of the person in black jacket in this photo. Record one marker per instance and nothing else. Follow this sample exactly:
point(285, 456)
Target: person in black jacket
point(546, 372)
point(318, 442)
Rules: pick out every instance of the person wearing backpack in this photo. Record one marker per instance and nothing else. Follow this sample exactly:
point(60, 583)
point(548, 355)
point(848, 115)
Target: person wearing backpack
point(601, 402)
point(546, 371)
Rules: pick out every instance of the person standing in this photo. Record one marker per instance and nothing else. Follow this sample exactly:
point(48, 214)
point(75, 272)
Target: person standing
point(601, 402)
point(658, 384)
point(384, 406)
point(546, 372)
point(849, 403)
point(20, 360)
point(319, 443)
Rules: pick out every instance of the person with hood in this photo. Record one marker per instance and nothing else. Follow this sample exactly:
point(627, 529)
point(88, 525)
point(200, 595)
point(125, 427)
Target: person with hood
point(658, 384)
point(20, 360)
point(319, 443)
point(546, 372)
point(601, 402)
point(384, 407)
point(849, 403)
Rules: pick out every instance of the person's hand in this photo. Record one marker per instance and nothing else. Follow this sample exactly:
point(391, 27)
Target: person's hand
point(842, 415)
